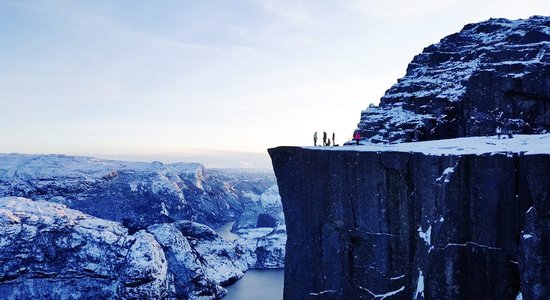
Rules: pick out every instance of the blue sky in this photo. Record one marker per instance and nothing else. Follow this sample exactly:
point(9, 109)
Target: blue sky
point(174, 80)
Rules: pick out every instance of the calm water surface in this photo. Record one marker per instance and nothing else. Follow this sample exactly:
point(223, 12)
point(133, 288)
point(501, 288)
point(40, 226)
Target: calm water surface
point(265, 284)
point(258, 285)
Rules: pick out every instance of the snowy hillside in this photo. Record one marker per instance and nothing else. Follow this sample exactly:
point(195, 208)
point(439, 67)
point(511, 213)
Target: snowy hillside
point(135, 193)
point(493, 73)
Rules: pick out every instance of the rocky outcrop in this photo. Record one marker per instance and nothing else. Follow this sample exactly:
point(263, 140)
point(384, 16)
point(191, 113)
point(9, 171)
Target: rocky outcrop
point(137, 194)
point(49, 251)
point(413, 224)
point(493, 73)
point(265, 210)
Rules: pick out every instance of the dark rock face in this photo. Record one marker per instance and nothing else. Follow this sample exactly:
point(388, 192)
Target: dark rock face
point(493, 73)
point(265, 220)
point(369, 225)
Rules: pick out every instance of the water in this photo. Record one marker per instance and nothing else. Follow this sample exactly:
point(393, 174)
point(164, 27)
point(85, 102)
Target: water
point(266, 284)
point(225, 232)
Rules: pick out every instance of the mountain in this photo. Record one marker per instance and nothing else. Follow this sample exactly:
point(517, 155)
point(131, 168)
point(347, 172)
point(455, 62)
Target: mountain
point(86, 228)
point(135, 193)
point(493, 73)
point(433, 205)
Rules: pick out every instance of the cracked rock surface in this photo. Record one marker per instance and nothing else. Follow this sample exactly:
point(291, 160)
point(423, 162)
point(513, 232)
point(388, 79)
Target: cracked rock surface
point(372, 224)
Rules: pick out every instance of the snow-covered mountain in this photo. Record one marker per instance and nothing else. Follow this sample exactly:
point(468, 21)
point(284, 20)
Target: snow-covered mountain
point(95, 229)
point(455, 215)
point(493, 73)
point(135, 193)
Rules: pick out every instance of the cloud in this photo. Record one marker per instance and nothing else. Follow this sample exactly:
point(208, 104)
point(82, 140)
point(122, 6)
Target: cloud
point(398, 9)
point(291, 12)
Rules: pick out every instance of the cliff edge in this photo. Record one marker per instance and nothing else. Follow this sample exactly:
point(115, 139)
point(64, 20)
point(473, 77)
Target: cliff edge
point(449, 219)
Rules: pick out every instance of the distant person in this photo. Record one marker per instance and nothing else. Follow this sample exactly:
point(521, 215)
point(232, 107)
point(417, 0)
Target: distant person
point(324, 138)
point(357, 137)
point(315, 139)
point(510, 134)
point(328, 143)
point(499, 131)
point(333, 136)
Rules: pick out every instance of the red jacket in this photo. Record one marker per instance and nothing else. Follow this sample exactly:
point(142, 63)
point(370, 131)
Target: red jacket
point(357, 136)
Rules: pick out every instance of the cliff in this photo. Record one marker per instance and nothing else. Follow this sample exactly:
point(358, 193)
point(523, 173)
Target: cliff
point(492, 73)
point(451, 219)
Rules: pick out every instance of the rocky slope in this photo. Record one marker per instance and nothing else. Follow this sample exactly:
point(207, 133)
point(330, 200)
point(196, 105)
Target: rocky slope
point(493, 73)
point(150, 205)
point(451, 219)
point(265, 210)
point(49, 251)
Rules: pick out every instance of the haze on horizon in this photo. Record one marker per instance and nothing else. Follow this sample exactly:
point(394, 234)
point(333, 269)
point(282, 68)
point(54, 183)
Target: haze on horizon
point(210, 81)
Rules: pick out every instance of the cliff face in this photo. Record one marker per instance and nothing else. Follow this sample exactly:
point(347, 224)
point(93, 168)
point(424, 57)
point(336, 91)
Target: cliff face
point(410, 225)
point(493, 73)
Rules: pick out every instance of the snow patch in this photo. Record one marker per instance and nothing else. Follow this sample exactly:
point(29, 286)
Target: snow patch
point(383, 296)
point(419, 285)
point(322, 293)
point(426, 235)
point(529, 144)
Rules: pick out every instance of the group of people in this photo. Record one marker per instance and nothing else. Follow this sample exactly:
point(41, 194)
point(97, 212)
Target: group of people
point(357, 137)
point(499, 132)
point(326, 140)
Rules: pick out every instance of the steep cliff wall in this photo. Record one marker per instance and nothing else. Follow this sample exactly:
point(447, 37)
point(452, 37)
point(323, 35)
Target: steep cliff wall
point(401, 224)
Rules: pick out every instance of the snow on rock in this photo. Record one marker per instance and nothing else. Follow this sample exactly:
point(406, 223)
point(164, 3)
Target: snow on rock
point(50, 251)
point(426, 235)
point(493, 73)
point(419, 286)
point(145, 197)
point(266, 246)
point(526, 144)
point(136, 193)
point(190, 280)
point(267, 211)
point(222, 261)
point(146, 269)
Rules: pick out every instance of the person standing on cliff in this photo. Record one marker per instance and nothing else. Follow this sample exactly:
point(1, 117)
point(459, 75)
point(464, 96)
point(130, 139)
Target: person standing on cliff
point(324, 138)
point(357, 137)
point(333, 142)
point(315, 139)
point(499, 131)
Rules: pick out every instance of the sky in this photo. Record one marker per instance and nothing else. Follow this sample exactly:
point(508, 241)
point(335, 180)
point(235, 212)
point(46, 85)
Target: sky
point(212, 81)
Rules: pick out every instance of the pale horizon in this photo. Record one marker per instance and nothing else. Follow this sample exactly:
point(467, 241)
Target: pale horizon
point(198, 79)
